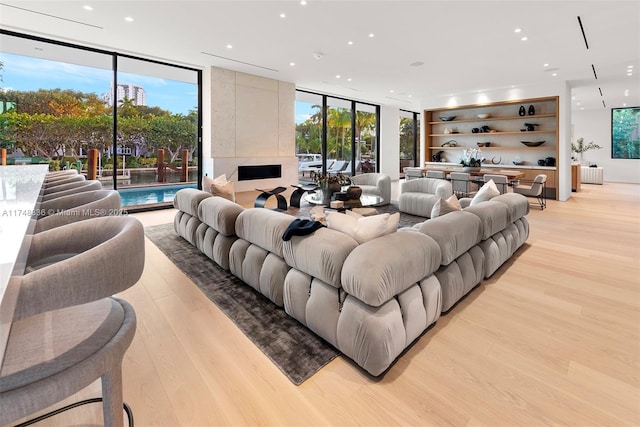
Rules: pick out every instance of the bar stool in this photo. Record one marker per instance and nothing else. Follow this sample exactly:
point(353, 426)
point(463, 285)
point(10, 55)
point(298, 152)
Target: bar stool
point(67, 330)
point(77, 207)
point(71, 188)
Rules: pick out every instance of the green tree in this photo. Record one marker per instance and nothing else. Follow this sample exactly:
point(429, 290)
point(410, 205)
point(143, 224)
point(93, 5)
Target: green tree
point(625, 134)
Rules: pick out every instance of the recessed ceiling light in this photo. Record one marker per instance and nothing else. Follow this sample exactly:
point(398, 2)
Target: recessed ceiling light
point(303, 2)
point(229, 46)
point(517, 30)
point(410, 96)
point(318, 55)
point(582, 108)
point(292, 63)
point(349, 79)
point(87, 7)
point(545, 65)
point(371, 35)
point(337, 76)
point(524, 39)
point(282, 15)
point(629, 66)
point(554, 74)
point(350, 43)
point(629, 74)
point(128, 19)
point(578, 103)
point(391, 91)
point(626, 92)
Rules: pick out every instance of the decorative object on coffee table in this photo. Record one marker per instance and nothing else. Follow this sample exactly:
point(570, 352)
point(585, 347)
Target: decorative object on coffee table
point(262, 198)
point(329, 184)
point(294, 200)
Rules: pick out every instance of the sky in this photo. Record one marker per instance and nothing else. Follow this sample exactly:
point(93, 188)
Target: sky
point(25, 73)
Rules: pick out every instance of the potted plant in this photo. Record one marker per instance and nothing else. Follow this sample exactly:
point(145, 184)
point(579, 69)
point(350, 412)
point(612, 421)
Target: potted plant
point(580, 147)
point(471, 160)
point(329, 184)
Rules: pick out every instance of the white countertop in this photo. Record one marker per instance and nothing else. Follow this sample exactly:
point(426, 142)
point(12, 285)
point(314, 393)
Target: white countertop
point(20, 187)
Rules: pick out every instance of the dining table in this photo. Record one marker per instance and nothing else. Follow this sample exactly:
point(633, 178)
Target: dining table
point(511, 174)
point(20, 188)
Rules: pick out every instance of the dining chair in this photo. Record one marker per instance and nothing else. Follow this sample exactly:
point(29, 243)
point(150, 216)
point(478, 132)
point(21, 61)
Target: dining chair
point(462, 185)
point(67, 330)
point(501, 182)
point(534, 188)
point(436, 174)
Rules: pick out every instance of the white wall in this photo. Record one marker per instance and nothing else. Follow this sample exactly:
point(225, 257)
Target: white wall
point(595, 125)
point(390, 141)
point(248, 120)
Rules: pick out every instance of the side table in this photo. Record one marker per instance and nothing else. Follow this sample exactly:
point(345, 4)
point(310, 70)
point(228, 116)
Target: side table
point(299, 191)
point(261, 200)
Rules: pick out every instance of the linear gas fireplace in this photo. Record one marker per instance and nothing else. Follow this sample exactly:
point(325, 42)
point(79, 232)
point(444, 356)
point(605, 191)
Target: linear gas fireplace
point(246, 173)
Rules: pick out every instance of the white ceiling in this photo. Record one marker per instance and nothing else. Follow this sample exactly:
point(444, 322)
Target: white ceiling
point(465, 46)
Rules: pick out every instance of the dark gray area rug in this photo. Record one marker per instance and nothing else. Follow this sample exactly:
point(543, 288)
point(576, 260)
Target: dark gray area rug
point(295, 350)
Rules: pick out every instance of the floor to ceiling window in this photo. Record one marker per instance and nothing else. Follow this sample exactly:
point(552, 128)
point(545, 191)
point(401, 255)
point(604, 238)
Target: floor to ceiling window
point(409, 139)
point(335, 135)
point(66, 99)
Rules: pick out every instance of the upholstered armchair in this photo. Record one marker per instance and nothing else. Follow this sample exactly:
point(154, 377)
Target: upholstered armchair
point(418, 196)
point(378, 184)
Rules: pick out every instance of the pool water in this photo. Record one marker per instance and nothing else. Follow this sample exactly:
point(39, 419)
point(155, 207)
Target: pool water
point(150, 195)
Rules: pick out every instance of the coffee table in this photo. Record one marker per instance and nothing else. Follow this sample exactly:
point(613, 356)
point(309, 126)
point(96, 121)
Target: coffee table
point(365, 199)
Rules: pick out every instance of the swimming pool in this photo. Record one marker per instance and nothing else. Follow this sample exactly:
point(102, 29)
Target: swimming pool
point(150, 195)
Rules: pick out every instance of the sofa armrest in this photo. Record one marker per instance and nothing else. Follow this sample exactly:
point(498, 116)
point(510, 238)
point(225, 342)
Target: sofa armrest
point(409, 257)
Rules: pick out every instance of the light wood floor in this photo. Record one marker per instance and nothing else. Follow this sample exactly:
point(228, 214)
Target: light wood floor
point(553, 338)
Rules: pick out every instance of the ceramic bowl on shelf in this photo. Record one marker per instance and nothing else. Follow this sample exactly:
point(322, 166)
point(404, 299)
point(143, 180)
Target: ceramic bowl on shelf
point(482, 115)
point(483, 144)
point(447, 118)
point(533, 143)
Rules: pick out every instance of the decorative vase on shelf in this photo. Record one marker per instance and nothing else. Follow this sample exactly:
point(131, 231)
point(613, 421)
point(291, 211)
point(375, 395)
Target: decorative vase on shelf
point(522, 111)
point(470, 169)
point(532, 110)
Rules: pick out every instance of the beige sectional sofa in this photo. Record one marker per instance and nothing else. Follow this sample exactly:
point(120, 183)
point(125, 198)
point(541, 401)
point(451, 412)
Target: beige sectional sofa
point(369, 300)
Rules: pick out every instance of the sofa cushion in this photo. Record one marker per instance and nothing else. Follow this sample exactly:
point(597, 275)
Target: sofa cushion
point(488, 191)
point(374, 282)
point(517, 203)
point(443, 207)
point(493, 215)
point(219, 186)
point(263, 227)
point(455, 233)
point(392, 222)
point(321, 254)
point(188, 199)
point(362, 229)
point(220, 214)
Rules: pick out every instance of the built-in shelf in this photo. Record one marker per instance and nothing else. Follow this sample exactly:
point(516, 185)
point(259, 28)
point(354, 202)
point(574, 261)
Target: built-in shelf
point(506, 124)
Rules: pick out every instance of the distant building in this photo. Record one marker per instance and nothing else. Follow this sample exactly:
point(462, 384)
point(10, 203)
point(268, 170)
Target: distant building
point(128, 90)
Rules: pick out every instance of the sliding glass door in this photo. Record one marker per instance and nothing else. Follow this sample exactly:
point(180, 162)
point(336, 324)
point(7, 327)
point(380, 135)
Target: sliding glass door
point(60, 100)
point(409, 139)
point(335, 135)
